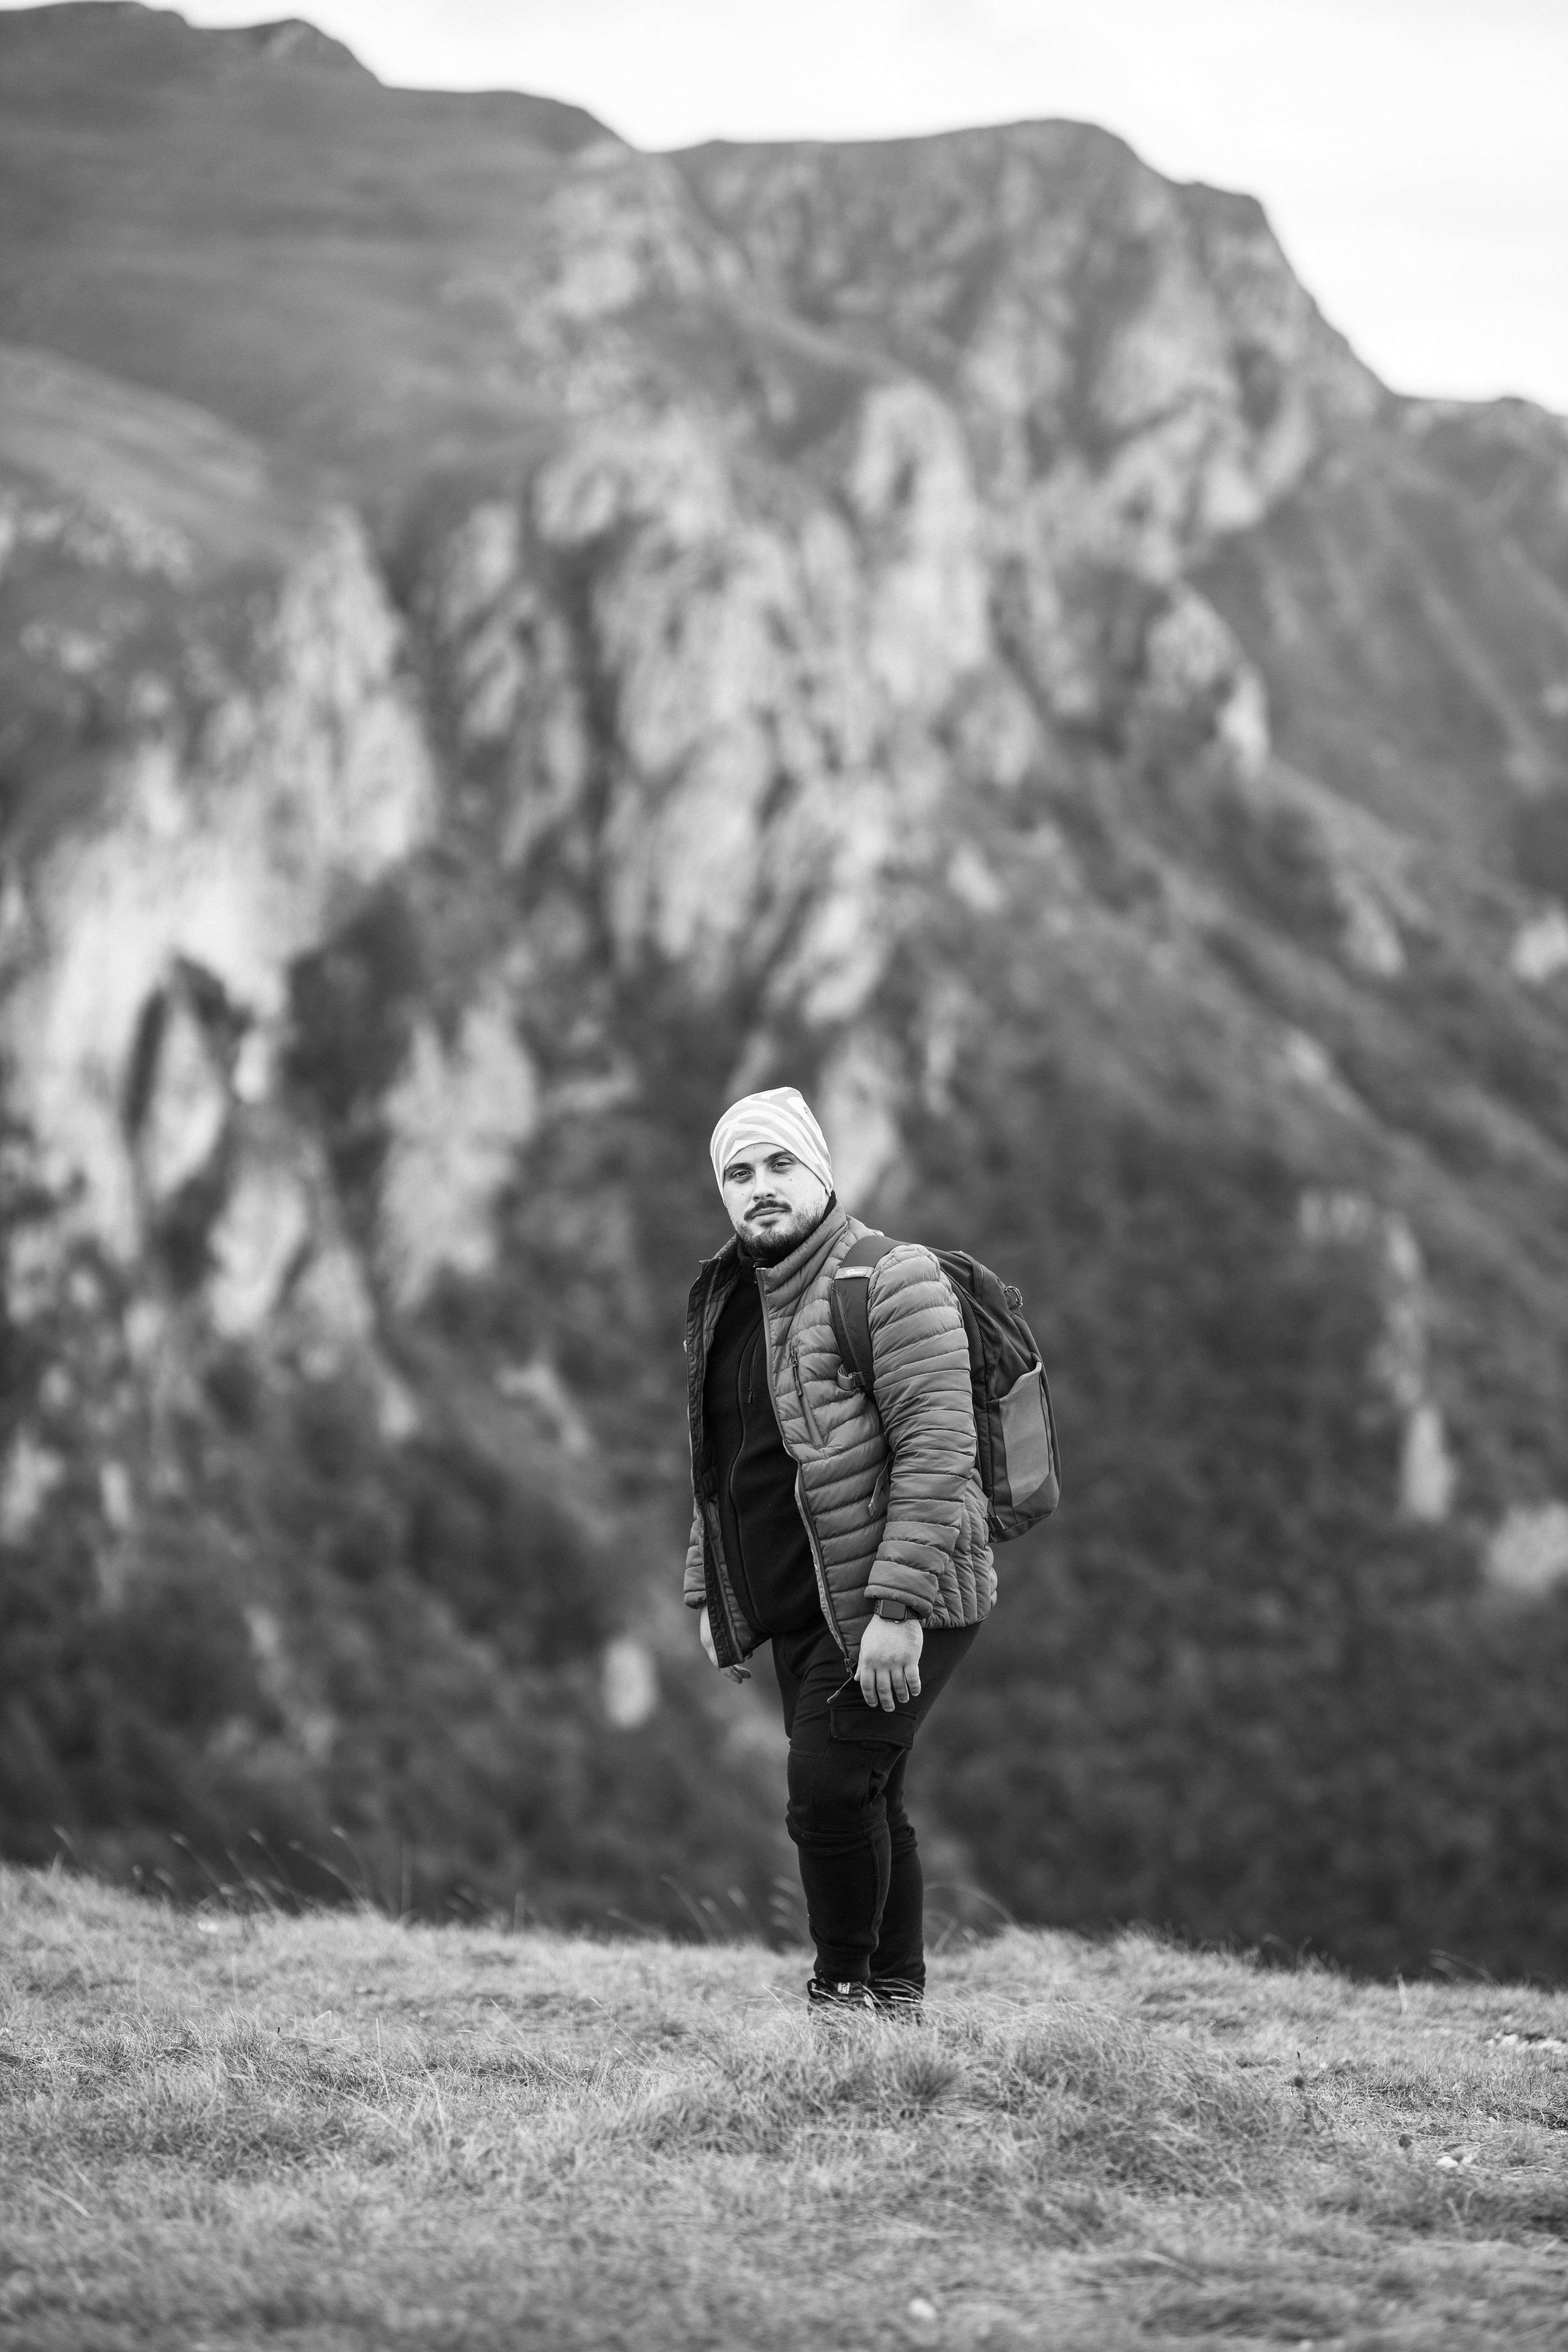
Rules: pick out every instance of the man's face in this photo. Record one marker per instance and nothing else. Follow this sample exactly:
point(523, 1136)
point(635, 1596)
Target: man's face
point(772, 1197)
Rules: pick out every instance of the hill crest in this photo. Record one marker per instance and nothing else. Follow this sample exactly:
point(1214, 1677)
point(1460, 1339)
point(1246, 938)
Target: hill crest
point(1150, 2144)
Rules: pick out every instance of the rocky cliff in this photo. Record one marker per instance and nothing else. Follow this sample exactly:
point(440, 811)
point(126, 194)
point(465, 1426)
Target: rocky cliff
point(509, 640)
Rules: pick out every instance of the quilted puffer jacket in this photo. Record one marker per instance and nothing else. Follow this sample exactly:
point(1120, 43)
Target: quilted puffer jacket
point(890, 1494)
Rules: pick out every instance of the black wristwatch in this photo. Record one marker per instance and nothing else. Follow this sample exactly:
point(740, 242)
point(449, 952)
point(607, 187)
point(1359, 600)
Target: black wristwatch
point(894, 1612)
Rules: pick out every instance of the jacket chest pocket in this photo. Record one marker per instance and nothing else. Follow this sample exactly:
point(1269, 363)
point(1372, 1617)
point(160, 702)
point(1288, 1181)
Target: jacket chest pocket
point(812, 1428)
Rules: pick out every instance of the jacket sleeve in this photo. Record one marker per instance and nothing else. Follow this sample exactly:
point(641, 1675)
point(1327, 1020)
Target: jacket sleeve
point(921, 1357)
point(695, 1593)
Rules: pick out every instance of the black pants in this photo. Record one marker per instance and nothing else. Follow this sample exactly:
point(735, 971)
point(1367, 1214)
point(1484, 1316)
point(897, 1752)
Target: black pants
point(859, 1863)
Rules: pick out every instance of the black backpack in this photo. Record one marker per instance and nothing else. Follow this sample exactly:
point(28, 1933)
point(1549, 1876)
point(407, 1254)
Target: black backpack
point(1015, 1437)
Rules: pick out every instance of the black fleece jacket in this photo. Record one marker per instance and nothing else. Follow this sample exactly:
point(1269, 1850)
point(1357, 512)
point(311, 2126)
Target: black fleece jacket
point(766, 1544)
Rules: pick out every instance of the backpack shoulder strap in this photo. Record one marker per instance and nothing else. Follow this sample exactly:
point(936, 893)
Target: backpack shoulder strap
point(849, 1301)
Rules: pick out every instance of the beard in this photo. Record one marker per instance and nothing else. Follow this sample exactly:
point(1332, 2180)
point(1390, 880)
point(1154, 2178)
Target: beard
point(771, 1247)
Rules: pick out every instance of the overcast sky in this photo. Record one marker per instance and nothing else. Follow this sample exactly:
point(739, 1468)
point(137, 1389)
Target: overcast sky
point(1413, 153)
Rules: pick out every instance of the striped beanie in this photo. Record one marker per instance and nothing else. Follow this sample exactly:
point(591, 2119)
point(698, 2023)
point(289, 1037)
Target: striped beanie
point(780, 1120)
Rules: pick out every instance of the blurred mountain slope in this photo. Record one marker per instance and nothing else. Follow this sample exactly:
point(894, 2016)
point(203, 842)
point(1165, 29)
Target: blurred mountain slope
point(250, 221)
point(515, 639)
point(220, 497)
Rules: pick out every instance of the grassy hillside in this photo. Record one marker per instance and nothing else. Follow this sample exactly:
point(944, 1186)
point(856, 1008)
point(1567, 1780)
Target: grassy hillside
point(337, 2131)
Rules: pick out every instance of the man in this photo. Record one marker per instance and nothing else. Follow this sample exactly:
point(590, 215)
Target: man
point(848, 1532)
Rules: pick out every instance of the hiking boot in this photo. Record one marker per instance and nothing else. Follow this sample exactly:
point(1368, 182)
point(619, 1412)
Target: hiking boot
point(897, 1997)
point(824, 1995)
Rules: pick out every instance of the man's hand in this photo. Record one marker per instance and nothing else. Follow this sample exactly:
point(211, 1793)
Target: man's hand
point(705, 1631)
point(889, 1669)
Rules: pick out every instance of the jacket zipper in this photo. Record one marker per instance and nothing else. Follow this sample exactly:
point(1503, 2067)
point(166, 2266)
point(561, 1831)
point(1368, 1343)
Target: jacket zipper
point(800, 1501)
point(709, 1561)
point(805, 1518)
point(709, 1502)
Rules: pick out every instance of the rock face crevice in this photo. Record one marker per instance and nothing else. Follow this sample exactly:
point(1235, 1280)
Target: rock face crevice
point(945, 623)
point(164, 925)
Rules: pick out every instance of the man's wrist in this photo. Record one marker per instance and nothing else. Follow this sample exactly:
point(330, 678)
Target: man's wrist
point(892, 1612)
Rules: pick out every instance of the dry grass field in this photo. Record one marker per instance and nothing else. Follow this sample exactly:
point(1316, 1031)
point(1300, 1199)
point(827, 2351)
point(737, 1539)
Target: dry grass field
point(339, 2131)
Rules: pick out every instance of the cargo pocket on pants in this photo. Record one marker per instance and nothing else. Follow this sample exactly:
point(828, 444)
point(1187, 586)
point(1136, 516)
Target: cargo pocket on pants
point(849, 1717)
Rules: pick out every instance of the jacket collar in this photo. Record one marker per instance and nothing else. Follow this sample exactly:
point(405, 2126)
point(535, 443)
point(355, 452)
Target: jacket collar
point(784, 1283)
point(809, 1255)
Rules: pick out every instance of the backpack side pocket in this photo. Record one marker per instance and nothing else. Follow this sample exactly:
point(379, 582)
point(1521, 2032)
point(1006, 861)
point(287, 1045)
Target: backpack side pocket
point(1029, 1452)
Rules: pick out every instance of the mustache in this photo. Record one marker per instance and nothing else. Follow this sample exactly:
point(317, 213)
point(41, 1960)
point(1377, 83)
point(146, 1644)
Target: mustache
point(756, 1208)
